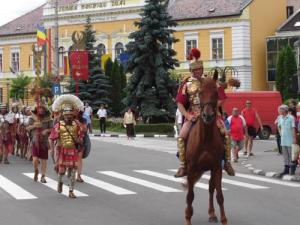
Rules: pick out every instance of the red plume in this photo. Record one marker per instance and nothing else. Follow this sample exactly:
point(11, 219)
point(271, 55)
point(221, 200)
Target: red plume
point(194, 54)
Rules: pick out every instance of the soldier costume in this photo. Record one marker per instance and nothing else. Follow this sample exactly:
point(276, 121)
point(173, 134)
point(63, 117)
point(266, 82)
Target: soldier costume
point(5, 136)
point(40, 124)
point(188, 101)
point(69, 139)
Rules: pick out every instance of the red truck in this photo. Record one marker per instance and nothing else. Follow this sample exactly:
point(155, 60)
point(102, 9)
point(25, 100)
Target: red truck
point(265, 102)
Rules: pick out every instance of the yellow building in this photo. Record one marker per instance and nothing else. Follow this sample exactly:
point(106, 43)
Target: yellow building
point(228, 33)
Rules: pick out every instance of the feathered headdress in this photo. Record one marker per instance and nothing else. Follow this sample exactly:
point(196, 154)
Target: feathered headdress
point(195, 55)
point(67, 101)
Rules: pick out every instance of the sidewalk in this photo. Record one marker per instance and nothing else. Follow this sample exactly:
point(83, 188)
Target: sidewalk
point(267, 162)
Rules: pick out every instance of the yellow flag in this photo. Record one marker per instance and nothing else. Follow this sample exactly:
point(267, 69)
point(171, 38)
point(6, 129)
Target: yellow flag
point(104, 58)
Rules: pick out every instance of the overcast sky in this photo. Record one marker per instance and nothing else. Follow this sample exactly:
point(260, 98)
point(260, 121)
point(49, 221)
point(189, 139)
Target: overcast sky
point(11, 9)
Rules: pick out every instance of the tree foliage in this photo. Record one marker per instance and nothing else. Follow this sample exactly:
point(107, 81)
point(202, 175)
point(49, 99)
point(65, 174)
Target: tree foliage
point(285, 70)
point(18, 87)
point(95, 91)
point(150, 89)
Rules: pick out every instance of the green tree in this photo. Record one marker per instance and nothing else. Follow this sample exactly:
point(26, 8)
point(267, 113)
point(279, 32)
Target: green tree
point(123, 80)
point(150, 88)
point(96, 89)
point(18, 87)
point(279, 79)
point(290, 69)
point(115, 80)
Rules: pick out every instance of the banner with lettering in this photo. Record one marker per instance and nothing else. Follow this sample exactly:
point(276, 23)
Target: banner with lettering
point(79, 61)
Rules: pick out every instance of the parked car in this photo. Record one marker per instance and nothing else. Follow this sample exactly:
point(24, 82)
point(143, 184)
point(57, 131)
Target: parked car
point(265, 102)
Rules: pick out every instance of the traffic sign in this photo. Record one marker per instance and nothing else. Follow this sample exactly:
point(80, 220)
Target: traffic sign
point(56, 89)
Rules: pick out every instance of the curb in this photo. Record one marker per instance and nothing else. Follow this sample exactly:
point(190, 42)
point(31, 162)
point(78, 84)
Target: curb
point(137, 136)
point(268, 174)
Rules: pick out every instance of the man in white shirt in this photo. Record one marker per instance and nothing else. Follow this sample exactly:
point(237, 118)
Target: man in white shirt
point(102, 114)
point(89, 111)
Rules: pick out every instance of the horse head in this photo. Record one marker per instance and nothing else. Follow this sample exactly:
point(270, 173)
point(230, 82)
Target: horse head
point(209, 98)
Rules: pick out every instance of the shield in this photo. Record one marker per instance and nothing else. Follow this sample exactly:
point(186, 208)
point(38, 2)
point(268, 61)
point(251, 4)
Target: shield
point(87, 146)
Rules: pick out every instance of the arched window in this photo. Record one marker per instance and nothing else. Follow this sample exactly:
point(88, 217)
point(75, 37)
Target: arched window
point(119, 49)
point(101, 50)
point(61, 51)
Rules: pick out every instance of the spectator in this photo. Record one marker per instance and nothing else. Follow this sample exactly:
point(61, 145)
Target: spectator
point(102, 115)
point(250, 114)
point(286, 127)
point(278, 137)
point(292, 107)
point(89, 112)
point(129, 123)
point(238, 130)
point(178, 120)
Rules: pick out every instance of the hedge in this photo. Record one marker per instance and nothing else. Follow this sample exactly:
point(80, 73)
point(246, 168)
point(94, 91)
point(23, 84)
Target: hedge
point(160, 128)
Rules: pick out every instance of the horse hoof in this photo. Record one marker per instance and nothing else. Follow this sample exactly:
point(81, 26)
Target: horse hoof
point(213, 219)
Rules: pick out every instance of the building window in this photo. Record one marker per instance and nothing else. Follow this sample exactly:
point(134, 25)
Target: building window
point(15, 61)
point(1, 62)
point(289, 11)
point(119, 49)
point(61, 51)
point(1, 95)
point(189, 44)
point(217, 48)
point(101, 49)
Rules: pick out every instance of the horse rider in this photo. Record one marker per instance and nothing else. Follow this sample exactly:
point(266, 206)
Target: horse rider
point(188, 102)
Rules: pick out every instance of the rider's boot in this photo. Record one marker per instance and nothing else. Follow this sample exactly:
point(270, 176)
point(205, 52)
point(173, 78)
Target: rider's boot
point(227, 165)
point(182, 158)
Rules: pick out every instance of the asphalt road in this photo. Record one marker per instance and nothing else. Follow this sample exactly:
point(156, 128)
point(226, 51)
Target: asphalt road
point(130, 183)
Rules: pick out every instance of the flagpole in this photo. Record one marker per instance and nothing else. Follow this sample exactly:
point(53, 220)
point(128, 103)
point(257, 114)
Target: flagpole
point(56, 40)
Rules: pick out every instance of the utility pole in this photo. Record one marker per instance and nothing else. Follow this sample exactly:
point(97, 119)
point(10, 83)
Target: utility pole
point(56, 40)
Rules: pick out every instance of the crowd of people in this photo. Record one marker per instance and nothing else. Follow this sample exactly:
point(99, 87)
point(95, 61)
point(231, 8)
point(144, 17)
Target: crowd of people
point(35, 133)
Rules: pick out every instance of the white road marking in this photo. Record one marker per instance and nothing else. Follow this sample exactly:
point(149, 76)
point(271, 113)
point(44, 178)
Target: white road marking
point(267, 180)
point(171, 178)
point(107, 186)
point(52, 184)
point(237, 183)
point(141, 182)
point(15, 190)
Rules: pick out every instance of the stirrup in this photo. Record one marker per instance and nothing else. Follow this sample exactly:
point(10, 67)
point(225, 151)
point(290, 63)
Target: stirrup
point(228, 168)
point(181, 172)
point(72, 195)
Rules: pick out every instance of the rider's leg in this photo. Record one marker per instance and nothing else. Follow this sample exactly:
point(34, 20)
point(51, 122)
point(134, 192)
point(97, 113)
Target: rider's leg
point(181, 148)
point(227, 166)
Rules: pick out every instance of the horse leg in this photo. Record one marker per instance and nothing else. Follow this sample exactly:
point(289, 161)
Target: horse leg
point(220, 197)
point(189, 200)
point(211, 211)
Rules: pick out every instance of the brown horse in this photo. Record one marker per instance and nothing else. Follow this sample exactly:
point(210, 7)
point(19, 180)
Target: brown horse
point(205, 151)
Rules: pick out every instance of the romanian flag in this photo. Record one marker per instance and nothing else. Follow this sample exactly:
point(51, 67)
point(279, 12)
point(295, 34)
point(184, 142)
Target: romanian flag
point(41, 35)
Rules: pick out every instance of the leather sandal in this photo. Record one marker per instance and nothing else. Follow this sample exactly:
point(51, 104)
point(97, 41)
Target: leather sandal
point(43, 180)
point(6, 161)
point(71, 194)
point(79, 180)
point(36, 174)
point(60, 187)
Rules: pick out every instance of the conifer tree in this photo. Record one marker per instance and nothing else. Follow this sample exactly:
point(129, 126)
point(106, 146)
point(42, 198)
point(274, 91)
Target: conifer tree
point(290, 69)
point(150, 89)
point(96, 89)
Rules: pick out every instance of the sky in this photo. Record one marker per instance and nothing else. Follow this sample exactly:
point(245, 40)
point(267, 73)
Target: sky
point(11, 9)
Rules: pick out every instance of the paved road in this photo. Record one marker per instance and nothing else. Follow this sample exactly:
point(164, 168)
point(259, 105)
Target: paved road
point(131, 183)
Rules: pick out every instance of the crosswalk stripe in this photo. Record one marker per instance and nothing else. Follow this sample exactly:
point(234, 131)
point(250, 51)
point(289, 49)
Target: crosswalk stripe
point(171, 178)
point(52, 184)
point(238, 183)
point(141, 182)
point(233, 182)
point(106, 186)
point(15, 190)
point(267, 180)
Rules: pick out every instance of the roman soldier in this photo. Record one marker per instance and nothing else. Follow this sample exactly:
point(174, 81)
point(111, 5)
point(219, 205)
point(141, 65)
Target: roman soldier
point(23, 137)
point(40, 125)
point(188, 101)
point(68, 135)
point(5, 136)
point(13, 126)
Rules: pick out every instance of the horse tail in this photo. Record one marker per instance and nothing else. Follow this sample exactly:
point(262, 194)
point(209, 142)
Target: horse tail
point(194, 180)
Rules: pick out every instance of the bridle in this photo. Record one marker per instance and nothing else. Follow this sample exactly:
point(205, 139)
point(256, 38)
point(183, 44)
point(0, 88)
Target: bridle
point(207, 118)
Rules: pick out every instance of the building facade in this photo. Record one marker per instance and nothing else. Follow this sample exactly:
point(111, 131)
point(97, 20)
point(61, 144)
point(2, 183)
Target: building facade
point(228, 33)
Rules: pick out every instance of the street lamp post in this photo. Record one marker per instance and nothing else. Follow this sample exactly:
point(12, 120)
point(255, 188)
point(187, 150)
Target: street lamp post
point(7, 97)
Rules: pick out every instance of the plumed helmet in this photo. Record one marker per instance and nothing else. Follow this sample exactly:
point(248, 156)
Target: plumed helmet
point(195, 55)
